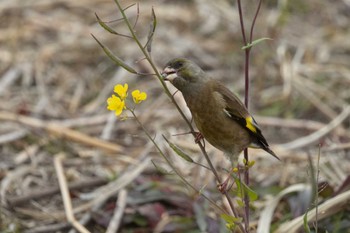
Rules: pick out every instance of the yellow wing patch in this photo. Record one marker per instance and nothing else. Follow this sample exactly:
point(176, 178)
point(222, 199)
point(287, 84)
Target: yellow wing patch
point(249, 124)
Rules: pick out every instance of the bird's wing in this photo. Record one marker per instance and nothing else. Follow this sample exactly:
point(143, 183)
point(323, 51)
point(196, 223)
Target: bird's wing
point(235, 110)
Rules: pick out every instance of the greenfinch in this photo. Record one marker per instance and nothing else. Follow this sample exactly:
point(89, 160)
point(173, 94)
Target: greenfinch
point(219, 115)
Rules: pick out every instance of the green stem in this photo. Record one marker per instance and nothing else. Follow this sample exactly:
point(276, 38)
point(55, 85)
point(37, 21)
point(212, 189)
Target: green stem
point(316, 185)
point(170, 163)
point(149, 59)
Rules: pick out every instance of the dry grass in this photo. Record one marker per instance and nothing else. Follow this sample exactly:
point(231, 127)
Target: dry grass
point(55, 80)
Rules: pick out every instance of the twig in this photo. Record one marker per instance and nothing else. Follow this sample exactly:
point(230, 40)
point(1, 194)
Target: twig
point(241, 22)
point(316, 191)
point(111, 189)
point(61, 131)
point(294, 123)
point(9, 78)
point(266, 214)
point(59, 227)
point(326, 209)
point(169, 162)
point(114, 223)
point(40, 193)
point(12, 136)
point(314, 99)
point(254, 20)
point(246, 100)
point(304, 141)
point(67, 202)
point(246, 95)
point(12, 176)
point(104, 193)
point(343, 146)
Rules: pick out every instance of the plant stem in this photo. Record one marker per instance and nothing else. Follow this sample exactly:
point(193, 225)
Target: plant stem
point(246, 157)
point(246, 95)
point(201, 146)
point(149, 59)
point(254, 20)
point(316, 185)
point(246, 101)
point(170, 163)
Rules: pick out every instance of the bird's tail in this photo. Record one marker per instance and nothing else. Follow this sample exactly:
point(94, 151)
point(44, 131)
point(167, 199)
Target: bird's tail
point(268, 150)
point(260, 145)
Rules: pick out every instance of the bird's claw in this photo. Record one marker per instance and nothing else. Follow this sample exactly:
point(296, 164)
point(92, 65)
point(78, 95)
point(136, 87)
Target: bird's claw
point(198, 137)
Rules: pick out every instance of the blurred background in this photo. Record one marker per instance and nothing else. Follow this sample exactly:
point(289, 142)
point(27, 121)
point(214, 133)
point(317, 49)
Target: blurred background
point(55, 79)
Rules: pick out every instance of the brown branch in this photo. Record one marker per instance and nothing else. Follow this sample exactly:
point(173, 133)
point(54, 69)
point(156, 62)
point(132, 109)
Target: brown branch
point(61, 131)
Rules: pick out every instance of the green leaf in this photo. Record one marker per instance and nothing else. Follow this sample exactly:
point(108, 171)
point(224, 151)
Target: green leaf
point(240, 202)
point(108, 28)
point(230, 218)
point(306, 225)
point(231, 222)
point(255, 42)
point(114, 58)
point(253, 196)
point(178, 151)
point(105, 26)
point(151, 31)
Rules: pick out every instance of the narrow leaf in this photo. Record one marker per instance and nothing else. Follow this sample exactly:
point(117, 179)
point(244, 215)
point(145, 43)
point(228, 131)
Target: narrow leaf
point(178, 151)
point(253, 196)
point(131, 5)
point(105, 26)
point(230, 219)
point(255, 42)
point(137, 16)
point(114, 58)
point(239, 192)
point(306, 225)
point(240, 202)
point(152, 29)
point(108, 28)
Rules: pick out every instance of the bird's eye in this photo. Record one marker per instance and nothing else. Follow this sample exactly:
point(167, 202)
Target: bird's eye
point(178, 64)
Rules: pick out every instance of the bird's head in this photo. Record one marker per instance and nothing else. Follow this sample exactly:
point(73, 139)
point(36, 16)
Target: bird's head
point(183, 73)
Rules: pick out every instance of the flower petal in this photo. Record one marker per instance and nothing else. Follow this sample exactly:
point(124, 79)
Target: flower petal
point(143, 96)
point(121, 90)
point(138, 96)
point(114, 103)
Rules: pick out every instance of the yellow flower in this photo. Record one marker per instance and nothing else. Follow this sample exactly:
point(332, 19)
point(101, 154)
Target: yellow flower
point(121, 90)
point(138, 96)
point(114, 103)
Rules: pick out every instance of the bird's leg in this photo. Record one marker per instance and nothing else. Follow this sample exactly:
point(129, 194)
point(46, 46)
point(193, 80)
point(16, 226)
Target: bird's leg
point(223, 187)
point(197, 135)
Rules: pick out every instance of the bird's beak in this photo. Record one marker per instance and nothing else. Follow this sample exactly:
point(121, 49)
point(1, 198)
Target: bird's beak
point(169, 74)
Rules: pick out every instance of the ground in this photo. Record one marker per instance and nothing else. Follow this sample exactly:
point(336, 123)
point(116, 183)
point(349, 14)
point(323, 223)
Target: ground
point(55, 80)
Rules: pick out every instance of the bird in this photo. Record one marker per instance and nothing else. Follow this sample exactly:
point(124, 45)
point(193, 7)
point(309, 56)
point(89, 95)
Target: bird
point(220, 116)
